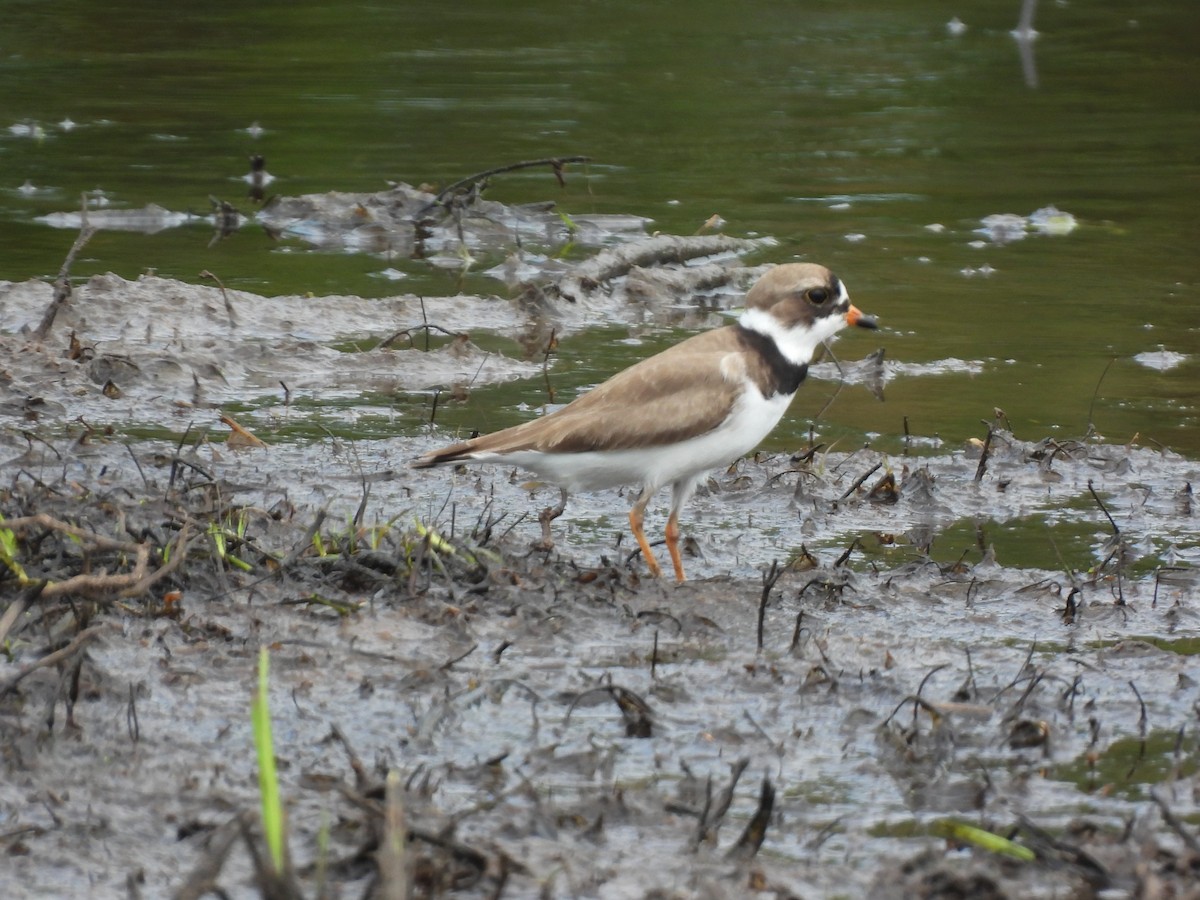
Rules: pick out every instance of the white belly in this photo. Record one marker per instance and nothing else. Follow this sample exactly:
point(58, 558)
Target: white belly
point(652, 467)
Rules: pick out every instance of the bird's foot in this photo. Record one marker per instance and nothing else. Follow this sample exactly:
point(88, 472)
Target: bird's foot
point(545, 517)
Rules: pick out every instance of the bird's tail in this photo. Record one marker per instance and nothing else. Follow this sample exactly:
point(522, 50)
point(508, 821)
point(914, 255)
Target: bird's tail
point(444, 456)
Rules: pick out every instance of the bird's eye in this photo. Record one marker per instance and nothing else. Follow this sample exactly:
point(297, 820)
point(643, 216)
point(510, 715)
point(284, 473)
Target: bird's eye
point(818, 295)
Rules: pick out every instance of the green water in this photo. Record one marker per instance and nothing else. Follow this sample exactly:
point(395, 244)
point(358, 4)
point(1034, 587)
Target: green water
point(770, 114)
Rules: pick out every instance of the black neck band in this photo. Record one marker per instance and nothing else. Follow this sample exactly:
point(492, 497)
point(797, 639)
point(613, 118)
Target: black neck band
point(786, 376)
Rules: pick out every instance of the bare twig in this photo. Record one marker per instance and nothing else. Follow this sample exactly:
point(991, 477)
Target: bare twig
point(555, 162)
point(551, 346)
point(1176, 824)
point(635, 712)
point(51, 659)
point(392, 856)
point(716, 807)
point(203, 878)
point(981, 469)
point(756, 829)
point(224, 296)
point(1142, 722)
point(426, 327)
point(769, 578)
point(1103, 508)
point(841, 560)
point(17, 607)
point(62, 284)
point(859, 481)
point(1091, 422)
point(177, 555)
point(362, 780)
point(131, 716)
point(133, 583)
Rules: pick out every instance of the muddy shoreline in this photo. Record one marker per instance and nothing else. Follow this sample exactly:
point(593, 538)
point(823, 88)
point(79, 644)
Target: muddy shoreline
point(561, 725)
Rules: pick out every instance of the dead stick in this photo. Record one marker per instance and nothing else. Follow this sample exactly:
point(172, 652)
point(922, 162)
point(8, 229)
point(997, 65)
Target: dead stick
point(550, 347)
point(42, 520)
point(859, 481)
point(203, 878)
point(178, 555)
point(768, 579)
point(17, 607)
point(1091, 422)
point(556, 161)
point(756, 829)
point(51, 659)
point(62, 284)
point(617, 261)
point(1176, 824)
point(102, 581)
point(1103, 508)
point(1142, 720)
point(392, 857)
point(224, 296)
point(983, 455)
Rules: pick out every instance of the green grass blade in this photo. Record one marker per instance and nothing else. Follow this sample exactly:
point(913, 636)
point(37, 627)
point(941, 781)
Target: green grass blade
point(268, 779)
point(969, 834)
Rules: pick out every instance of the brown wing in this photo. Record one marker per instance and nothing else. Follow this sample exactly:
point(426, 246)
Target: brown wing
point(686, 390)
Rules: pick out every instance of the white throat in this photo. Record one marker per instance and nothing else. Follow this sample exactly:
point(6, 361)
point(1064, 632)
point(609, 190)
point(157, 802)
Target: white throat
point(796, 344)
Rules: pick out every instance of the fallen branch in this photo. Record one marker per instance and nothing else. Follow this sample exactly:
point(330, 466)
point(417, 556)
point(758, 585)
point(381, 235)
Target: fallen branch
point(129, 584)
point(49, 523)
point(617, 261)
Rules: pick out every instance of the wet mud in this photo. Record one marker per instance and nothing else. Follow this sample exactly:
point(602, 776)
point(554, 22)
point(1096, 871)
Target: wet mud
point(827, 709)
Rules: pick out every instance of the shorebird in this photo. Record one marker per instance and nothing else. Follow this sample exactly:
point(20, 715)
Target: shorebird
point(674, 416)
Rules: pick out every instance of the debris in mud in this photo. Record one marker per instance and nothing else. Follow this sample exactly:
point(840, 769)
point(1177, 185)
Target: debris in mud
point(394, 223)
point(880, 713)
point(402, 221)
point(158, 348)
point(880, 698)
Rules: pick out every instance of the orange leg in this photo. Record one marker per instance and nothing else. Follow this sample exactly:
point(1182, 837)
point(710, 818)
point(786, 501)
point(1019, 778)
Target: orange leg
point(548, 515)
point(673, 546)
point(637, 517)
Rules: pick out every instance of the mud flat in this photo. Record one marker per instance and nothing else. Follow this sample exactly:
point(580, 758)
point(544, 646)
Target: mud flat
point(827, 710)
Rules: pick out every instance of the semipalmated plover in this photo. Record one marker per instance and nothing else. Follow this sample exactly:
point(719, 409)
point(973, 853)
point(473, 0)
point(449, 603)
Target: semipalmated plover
point(671, 418)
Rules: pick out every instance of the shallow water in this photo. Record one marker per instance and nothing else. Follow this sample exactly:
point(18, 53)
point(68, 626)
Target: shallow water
point(843, 133)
